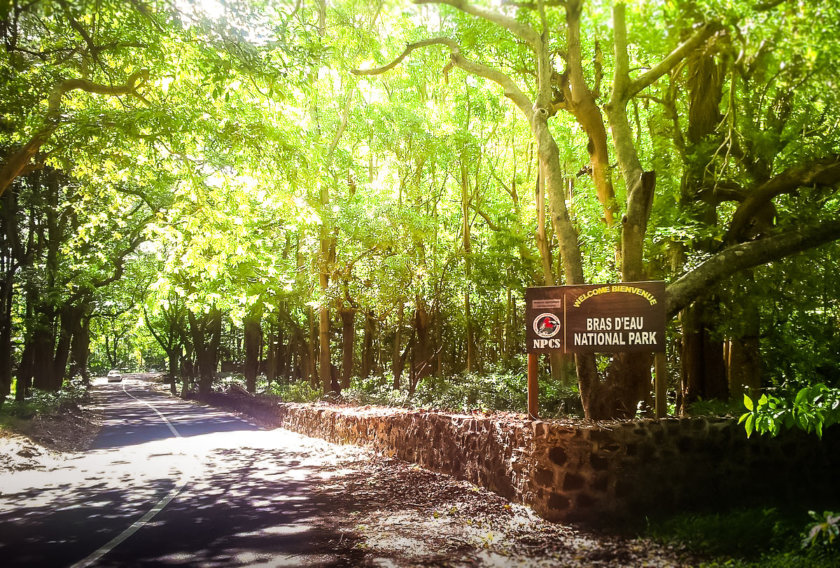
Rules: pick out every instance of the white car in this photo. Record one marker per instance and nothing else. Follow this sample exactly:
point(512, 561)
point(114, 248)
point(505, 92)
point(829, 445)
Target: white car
point(114, 376)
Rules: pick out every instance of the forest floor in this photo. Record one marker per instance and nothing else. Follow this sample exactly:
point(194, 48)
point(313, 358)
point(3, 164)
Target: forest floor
point(402, 515)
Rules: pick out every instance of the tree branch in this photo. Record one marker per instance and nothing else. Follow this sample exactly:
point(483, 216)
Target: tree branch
point(742, 256)
point(699, 38)
point(450, 43)
point(19, 160)
point(134, 82)
point(490, 224)
point(512, 91)
point(825, 172)
point(520, 30)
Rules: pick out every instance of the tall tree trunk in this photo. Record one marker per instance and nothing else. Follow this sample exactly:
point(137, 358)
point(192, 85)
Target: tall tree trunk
point(311, 344)
point(206, 332)
point(282, 356)
point(70, 317)
point(744, 366)
point(367, 344)
point(742, 353)
point(6, 290)
point(172, 357)
point(324, 361)
point(466, 200)
point(703, 366)
point(271, 357)
point(396, 359)
point(348, 341)
point(80, 346)
point(253, 341)
point(25, 372)
point(43, 345)
point(423, 354)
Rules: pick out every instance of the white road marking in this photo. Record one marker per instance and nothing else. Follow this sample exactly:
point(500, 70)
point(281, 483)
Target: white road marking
point(142, 521)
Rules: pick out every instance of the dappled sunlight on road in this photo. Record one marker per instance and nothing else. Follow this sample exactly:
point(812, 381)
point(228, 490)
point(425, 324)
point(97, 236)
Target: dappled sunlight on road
point(221, 493)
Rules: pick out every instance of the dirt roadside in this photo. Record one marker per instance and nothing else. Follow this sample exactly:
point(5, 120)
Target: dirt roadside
point(400, 515)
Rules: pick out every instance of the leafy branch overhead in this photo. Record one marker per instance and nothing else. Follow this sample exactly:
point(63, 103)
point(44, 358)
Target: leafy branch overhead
point(227, 182)
point(20, 160)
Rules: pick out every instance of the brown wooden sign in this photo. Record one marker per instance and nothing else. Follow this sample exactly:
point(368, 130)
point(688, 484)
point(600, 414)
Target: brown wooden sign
point(596, 318)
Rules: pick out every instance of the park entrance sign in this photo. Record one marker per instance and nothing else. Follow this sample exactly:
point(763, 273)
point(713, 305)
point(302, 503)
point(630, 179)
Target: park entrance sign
point(597, 318)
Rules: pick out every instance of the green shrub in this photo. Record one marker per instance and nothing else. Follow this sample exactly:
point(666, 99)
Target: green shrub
point(43, 402)
point(744, 538)
point(503, 391)
point(823, 531)
point(811, 409)
point(295, 391)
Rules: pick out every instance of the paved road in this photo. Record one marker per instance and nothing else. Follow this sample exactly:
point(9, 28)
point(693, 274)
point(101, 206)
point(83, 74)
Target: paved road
point(172, 483)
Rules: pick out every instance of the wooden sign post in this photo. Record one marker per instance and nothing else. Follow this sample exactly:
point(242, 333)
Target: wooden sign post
point(596, 318)
point(533, 386)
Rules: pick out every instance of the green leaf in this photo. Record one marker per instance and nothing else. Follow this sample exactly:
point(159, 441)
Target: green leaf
point(748, 403)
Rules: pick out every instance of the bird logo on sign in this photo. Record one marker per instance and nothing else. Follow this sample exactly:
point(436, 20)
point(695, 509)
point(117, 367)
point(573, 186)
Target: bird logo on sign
point(546, 325)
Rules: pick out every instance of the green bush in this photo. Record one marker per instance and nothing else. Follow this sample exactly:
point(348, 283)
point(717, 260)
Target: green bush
point(295, 391)
point(811, 409)
point(744, 538)
point(43, 402)
point(823, 531)
point(501, 391)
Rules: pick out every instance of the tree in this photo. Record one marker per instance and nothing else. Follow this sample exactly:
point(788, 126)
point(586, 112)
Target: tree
point(568, 90)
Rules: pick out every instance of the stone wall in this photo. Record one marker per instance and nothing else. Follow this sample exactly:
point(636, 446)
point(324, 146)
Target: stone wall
point(609, 472)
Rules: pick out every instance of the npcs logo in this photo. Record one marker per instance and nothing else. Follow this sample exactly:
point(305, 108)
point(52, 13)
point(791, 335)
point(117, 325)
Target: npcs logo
point(546, 325)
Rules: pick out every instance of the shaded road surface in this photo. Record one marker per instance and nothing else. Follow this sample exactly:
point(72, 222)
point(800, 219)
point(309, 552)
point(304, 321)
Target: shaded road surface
point(172, 483)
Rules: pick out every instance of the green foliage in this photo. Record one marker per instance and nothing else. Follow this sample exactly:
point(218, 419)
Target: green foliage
point(715, 408)
point(498, 391)
point(823, 531)
point(811, 409)
point(744, 533)
point(744, 538)
point(42, 402)
point(295, 391)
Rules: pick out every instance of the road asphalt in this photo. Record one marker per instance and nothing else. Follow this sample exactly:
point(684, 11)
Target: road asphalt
point(170, 483)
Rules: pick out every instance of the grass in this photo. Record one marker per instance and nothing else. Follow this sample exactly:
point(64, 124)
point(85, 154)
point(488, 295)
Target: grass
point(12, 412)
point(745, 538)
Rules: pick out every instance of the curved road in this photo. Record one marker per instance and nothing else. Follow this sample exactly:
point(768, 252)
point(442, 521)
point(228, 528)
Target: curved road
point(170, 483)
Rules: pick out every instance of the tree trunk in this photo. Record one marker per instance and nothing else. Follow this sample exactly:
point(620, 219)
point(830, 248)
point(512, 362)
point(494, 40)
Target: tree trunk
point(324, 362)
point(282, 356)
point(466, 199)
point(541, 237)
point(80, 346)
point(70, 318)
point(253, 341)
point(396, 359)
point(348, 341)
point(6, 337)
point(423, 354)
point(172, 356)
point(703, 368)
point(25, 371)
point(206, 335)
point(271, 357)
point(43, 345)
point(367, 344)
point(743, 356)
point(311, 343)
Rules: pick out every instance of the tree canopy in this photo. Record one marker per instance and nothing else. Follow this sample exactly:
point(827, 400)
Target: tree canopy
point(316, 190)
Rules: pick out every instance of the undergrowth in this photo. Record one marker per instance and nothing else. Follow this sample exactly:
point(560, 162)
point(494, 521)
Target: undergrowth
point(746, 538)
point(472, 392)
point(41, 402)
point(500, 391)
